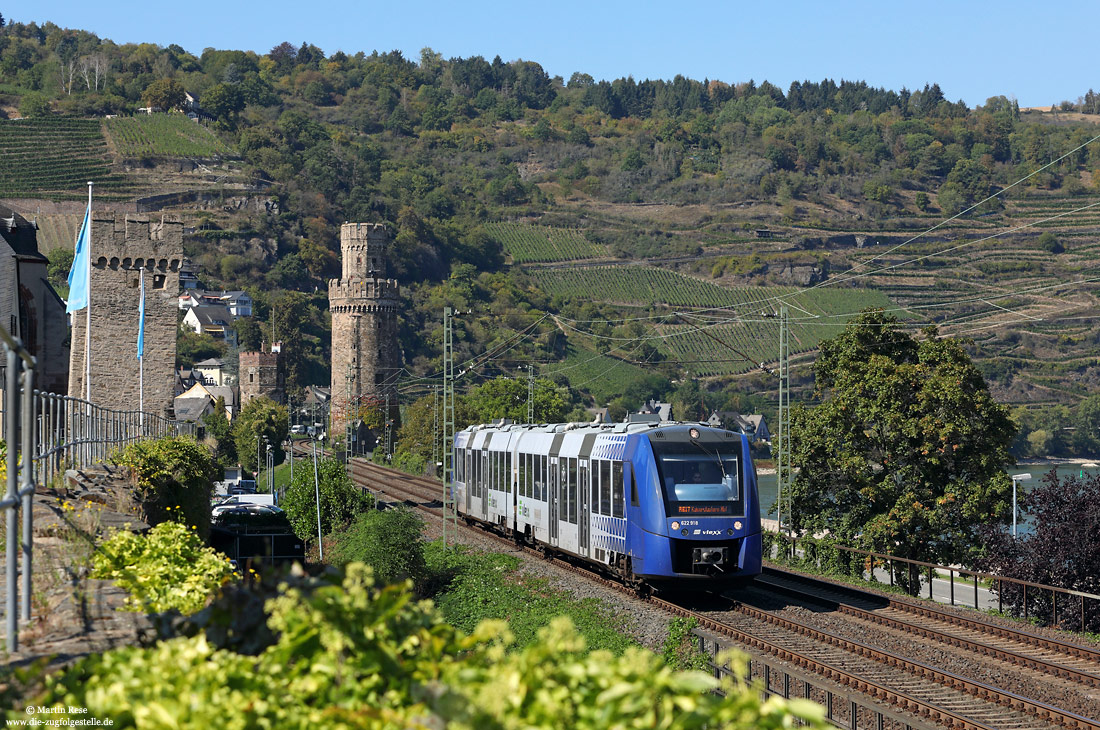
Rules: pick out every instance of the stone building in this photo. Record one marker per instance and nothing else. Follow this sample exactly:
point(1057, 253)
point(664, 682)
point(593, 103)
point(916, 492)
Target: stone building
point(29, 307)
point(366, 355)
point(261, 374)
point(121, 254)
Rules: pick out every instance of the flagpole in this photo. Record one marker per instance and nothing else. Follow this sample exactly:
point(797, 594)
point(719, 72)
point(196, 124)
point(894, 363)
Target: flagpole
point(141, 350)
point(88, 313)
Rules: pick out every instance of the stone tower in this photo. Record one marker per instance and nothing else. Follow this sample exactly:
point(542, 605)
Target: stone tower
point(120, 256)
point(364, 305)
point(260, 374)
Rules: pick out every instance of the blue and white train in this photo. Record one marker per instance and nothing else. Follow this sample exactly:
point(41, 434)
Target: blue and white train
point(651, 502)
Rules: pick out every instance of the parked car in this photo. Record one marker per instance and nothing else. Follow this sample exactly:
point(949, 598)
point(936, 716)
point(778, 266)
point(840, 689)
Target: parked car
point(298, 428)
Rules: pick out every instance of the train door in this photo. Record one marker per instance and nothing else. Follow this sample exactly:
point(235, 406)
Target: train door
point(552, 474)
point(567, 509)
point(582, 496)
point(483, 484)
point(471, 479)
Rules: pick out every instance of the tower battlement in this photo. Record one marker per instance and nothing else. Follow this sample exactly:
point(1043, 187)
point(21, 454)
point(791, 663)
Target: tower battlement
point(385, 292)
point(363, 250)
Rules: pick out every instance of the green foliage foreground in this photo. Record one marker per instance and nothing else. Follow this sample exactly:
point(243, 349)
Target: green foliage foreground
point(169, 568)
point(173, 479)
point(351, 655)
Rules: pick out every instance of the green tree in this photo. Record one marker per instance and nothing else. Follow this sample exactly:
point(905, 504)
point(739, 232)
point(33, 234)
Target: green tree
point(263, 418)
point(224, 101)
point(61, 260)
point(1086, 435)
point(1049, 242)
point(191, 347)
point(906, 453)
point(164, 94)
point(34, 104)
point(218, 428)
point(506, 397)
point(341, 501)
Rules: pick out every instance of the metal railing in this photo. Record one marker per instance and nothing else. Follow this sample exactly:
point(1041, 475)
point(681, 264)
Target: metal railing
point(18, 418)
point(843, 708)
point(1075, 605)
point(58, 433)
point(73, 433)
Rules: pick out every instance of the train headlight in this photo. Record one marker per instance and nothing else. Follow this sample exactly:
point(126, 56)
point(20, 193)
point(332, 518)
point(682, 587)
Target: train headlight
point(737, 525)
point(730, 532)
point(684, 533)
point(675, 525)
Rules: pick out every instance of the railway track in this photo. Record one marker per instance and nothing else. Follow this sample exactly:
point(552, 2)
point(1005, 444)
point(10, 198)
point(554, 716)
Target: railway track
point(1018, 647)
point(936, 695)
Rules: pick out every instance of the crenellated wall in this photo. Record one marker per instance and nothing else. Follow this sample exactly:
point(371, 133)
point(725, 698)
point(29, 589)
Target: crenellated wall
point(260, 374)
point(121, 252)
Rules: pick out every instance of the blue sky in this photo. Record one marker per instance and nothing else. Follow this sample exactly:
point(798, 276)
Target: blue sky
point(1038, 52)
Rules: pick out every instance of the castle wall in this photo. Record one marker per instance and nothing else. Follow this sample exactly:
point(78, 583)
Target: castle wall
point(119, 255)
point(364, 308)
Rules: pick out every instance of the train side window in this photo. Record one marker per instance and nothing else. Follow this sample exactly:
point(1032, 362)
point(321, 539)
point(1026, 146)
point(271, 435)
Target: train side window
point(521, 476)
point(540, 478)
point(483, 477)
point(529, 467)
point(572, 490)
point(617, 488)
point(633, 489)
point(594, 503)
point(582, 471)
point(605, 488)
point(509, 473)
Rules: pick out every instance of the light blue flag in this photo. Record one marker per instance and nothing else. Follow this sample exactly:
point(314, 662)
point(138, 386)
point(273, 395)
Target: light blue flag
point(78, 274)
point(141, 319)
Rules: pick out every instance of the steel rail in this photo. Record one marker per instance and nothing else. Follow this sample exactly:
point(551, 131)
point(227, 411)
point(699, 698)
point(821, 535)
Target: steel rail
point(977, 647)
point(928, 611)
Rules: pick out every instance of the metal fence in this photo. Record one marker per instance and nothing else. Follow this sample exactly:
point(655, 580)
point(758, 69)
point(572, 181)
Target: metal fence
point(844, 708)
point(1075, 609)
point(57, 433)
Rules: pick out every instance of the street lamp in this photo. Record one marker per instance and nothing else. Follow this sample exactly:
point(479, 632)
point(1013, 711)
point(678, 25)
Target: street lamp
point(270, 466)
point(1016, 478)
point(317, 493)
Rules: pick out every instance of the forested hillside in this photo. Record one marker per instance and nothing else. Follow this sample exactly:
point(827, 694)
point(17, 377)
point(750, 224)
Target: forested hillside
point(497, 180)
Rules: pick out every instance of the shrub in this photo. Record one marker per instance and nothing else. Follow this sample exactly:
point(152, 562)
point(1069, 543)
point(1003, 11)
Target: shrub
point(169, 568)
point(174, 479)
point(341, 500)
point(350, 655)
point(388, 541)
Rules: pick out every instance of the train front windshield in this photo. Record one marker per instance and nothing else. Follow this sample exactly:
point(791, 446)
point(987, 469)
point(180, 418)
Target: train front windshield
point(699, 479)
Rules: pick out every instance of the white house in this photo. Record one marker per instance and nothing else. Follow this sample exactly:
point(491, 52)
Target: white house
point(207, 319)
point(239, 303)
